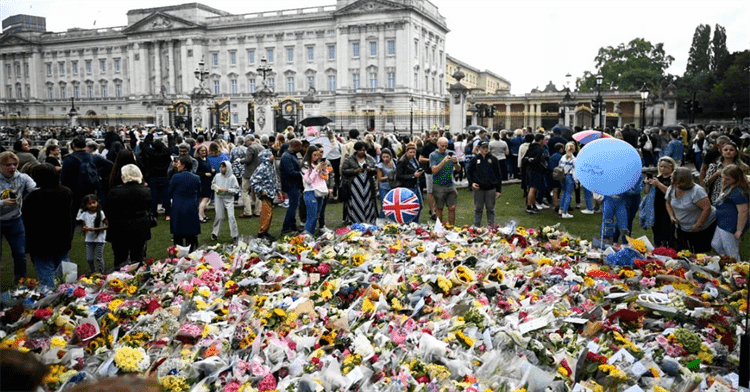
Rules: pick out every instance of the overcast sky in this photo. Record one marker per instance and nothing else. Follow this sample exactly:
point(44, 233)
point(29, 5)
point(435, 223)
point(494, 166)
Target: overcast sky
point(528, 42)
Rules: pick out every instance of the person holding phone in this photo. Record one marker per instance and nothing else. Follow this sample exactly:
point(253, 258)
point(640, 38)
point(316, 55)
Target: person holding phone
point(663, 230)
point(14, 187)
point(408, 173)
point(443, 163)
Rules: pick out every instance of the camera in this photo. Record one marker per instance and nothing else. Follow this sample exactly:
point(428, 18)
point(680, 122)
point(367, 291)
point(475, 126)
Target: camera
point(364, 166)
point(451, 153)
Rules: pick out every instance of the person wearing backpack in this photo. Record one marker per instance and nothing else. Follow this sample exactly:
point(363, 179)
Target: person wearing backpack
point(80, 173)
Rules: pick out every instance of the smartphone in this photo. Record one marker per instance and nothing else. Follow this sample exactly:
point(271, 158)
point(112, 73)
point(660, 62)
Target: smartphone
point(649, 176)
point(451, 153)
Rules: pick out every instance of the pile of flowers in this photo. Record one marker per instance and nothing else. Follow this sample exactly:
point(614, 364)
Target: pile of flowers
point(395, 308)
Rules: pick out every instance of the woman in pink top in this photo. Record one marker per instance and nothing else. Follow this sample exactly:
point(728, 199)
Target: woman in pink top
point(314, 175)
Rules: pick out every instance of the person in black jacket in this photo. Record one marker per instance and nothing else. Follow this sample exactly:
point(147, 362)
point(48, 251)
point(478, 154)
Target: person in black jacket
point(157, 160)
point(408, 173)
point(128, 213)
point(46, 218)
point(536, 168)
point(486, 181)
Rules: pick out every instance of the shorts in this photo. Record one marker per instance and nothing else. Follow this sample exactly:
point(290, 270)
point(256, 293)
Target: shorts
point(535, 179)
point(428, 180)
point(444, 196)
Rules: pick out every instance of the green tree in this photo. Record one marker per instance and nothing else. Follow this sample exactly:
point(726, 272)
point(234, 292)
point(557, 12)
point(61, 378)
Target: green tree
point(627, 67)
point(699, 59)
point(720, 60)
point(733, 89)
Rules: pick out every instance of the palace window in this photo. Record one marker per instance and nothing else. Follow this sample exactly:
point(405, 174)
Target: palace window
point(391, 80)
point(310, 82)
point(215, 59)
point(331, 52)
point(216, 87)
point(76, 92)
point(251, 85)
point(118, 90)
point(289, 55)
point(251, 56)
point(310, 53)
point(290, 84)
point(88, 66)
point(391, 47)
point(233, 83)
point(49, 69)
point(63, 92)
point(75, 67)
point(90, 91)
point(50, 93)
point(269, 56)
point(332, 82)
point(355, 81)
point(373, 48)
point(117, 64)
point(103, 65)
point(233, 58)
point(355, 49)
point(373, 80)
point(61, 66)
point(104, 91)
point(271, 82)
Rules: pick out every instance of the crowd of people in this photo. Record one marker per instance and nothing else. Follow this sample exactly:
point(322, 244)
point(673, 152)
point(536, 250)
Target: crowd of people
point(116, 188)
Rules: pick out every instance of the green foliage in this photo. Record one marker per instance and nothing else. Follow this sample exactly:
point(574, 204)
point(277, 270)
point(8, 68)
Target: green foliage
point(720, 59)
point(699, 59)
point(627, 67)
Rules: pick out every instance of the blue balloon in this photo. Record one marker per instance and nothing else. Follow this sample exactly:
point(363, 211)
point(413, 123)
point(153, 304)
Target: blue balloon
point(608, 166)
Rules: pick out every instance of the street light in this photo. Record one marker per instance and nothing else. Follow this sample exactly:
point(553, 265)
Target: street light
point(201, 73)
point(644, 97)
point(734, 112)
point(411, 118)
point(599, 99)
point(264, 68)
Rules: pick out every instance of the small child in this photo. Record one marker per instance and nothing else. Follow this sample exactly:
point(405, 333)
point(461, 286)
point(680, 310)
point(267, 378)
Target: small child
point(225, 186)
point(95, 231)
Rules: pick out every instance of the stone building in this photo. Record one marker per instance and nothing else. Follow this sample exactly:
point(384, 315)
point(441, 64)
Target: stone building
point(479, 82)
point(364, 61)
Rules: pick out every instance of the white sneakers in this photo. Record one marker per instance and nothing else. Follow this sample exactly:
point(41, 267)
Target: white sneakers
point(587, 212)
point(565, 215)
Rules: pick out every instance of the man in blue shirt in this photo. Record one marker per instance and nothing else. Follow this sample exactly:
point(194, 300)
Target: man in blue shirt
point(443, 163)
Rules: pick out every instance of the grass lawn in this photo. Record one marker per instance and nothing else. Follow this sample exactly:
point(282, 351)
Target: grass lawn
point(510, 206)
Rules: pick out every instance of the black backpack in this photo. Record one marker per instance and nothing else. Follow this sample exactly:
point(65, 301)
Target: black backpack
point(88, 174)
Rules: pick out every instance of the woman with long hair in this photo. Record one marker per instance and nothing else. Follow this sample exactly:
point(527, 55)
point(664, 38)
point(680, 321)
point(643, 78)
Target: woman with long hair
point(662, 228)
point(334, 158)
point(567, 162)
point(385, 168)
point(314, 177)
point(730, 155)
point(731, 212)
point(206, 175)
point(359, 176)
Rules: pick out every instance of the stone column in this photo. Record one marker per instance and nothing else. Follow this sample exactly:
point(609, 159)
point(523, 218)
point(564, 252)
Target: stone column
point(132, 73)
point(186, 69)
point(157, 67)
point(526, 108)
point(145, 74)
point(264, 119)
point(507, 116)
point(34, 64)
point(171, 65)
point(538, 115)
point(4, 79)
point(637, 114)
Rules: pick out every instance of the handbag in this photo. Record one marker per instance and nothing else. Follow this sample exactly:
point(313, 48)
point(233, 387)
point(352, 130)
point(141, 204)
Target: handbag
point(646, 209)
point(558, 173)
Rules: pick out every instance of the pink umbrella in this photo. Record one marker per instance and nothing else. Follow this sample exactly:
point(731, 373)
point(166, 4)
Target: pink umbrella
point(584, 137)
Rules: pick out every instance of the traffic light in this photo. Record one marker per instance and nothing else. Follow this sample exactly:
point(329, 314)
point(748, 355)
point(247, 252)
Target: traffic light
point(594, 106)
point(688, 105)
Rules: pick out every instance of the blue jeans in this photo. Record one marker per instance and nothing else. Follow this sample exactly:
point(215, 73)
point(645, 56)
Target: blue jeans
point(290, 221)
point(632, 203)
point(613, 207)
point(589, 198)
point(313, 204)
point(14, 232)
point(46, 268)
point(159, 187)
point(383, 192)
point(567, 187)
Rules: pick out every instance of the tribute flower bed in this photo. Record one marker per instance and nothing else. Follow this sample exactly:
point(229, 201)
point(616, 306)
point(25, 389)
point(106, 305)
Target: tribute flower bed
point(396, 308)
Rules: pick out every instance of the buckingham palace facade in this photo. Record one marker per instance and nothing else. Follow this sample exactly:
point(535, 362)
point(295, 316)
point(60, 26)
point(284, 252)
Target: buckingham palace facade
point(366, 63)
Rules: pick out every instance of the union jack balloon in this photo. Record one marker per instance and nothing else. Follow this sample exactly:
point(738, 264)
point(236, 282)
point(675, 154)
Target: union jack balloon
point(401, 205)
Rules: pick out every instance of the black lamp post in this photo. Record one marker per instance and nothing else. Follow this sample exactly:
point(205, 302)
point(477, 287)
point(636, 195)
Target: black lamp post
point(644, 98)
point(264, 68)
point(599, 99)
point(411, 118)
point(201, 73)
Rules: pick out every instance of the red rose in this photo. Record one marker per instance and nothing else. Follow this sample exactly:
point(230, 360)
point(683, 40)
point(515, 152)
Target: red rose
point(292, 346)
point(374, 358)
point(152, 306)
point(42, 313)
point(324, 268)
point(423, 379)
point(79, 292)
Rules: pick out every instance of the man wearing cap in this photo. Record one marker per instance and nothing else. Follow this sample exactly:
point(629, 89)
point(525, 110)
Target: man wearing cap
point(485, 181)
point(482, 137)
